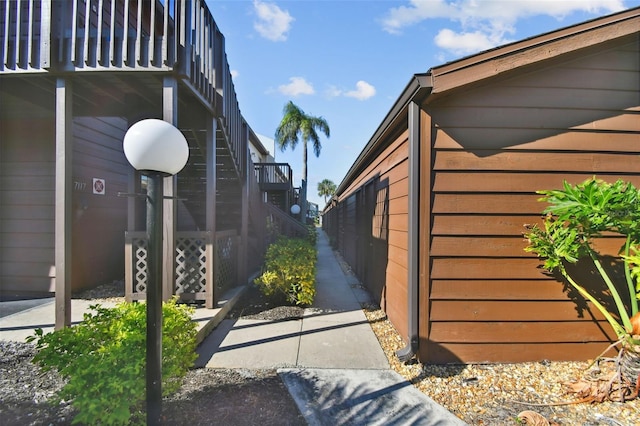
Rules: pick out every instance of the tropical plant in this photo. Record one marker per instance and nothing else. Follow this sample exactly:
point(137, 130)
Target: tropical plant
point(295, 123)
point(326, 188)
point(103, 360)
point(577, 217)
point(290, 269)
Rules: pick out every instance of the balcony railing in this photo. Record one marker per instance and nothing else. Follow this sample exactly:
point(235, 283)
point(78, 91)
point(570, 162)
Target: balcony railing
point(179, 37)
point(274, 176)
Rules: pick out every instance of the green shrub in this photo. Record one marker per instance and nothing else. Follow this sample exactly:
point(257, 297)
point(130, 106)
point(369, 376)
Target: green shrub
point(312, 237)
point(290, 268)
point(103, 360)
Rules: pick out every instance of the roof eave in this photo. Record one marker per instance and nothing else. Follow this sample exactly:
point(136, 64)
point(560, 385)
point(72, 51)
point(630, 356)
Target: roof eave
point(418, 88)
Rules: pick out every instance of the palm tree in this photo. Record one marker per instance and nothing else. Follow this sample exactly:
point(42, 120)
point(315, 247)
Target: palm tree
point(326, 188)
point(296, 123)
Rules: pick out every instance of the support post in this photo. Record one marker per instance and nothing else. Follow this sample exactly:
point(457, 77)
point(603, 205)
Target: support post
point(170, 115)
point(244, 229)
point(210, 206)
point(63, 205)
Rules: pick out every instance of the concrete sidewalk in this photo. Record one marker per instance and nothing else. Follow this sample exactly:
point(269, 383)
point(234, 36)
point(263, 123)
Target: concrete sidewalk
point(334, 332)
point(330, 360)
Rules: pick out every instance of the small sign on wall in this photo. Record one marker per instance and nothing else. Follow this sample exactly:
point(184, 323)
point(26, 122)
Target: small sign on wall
point(98, 186)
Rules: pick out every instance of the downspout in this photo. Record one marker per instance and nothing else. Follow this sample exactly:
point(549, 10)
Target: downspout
point(406, 353)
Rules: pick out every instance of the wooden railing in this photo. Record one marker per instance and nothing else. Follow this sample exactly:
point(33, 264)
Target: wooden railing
point(174, 36)
point(274, 176)
point(280, 223)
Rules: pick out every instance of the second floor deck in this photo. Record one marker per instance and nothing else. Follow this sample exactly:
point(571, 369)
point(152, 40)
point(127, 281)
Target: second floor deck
point(116, 39)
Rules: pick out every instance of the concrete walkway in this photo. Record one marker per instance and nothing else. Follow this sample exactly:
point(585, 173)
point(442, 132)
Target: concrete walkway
point(330, 360)
point(334, 332)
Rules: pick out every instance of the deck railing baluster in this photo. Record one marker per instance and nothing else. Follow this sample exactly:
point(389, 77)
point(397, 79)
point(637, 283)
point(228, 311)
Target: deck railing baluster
point(138, 58)
point(45, 42)
point(99, 37)
point(29, 58)
point(74, 31)
point(15, 61)
point(112, 34)
point(165, 33)
point(152, 35)
point(125, 36)
point(87, 28)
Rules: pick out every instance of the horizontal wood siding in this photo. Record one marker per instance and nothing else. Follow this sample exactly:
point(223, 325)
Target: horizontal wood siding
point(27, 197)
point(377, 225)
point(27, 194)
point(494, 146)
point(99, 221)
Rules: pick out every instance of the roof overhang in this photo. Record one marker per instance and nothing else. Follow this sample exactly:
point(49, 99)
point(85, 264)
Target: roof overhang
point(418, 89)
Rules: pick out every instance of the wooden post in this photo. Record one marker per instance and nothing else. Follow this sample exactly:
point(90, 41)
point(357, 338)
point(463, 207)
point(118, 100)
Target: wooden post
point(244, 230)
point(170, 115)
point(210, 211)
point(63, 205)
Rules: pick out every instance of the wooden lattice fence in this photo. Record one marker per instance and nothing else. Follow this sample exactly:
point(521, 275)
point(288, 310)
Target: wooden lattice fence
point(196, 269)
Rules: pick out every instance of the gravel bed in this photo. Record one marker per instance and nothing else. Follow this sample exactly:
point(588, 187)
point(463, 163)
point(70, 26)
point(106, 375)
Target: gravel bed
point(494, 394)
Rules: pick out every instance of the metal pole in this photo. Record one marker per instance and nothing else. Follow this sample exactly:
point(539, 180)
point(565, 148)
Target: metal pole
point(154, 298)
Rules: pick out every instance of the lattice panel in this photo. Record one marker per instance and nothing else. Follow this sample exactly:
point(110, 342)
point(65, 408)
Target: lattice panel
point(226, 261)
point(190, 265)
point(140, 272)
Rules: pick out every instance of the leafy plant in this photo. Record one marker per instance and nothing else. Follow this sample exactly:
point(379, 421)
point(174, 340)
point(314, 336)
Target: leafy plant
point(312, 236)
point(290, 268)
point(104, 360)
point(577, 216)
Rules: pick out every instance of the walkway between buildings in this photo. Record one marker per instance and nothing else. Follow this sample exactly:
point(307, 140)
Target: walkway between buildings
point(330, 360)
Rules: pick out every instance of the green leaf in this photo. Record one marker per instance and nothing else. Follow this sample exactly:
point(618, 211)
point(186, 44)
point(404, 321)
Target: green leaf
point(577, 214)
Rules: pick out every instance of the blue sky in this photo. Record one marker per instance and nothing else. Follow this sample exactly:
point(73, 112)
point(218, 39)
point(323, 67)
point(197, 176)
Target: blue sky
point(349, 60)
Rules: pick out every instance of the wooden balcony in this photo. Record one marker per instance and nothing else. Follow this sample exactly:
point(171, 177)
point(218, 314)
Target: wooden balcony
point(117, 37)
point(274, 176)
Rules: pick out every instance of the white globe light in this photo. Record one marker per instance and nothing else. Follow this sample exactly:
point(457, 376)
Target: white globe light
point(156, 145)
point(295, 209)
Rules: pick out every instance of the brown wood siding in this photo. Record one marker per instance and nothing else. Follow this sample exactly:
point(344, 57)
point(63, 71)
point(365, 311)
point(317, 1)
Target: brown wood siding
point(383, 191)
point(494, 146)
point(27, 195)
point(26, 206)
point(99, 220)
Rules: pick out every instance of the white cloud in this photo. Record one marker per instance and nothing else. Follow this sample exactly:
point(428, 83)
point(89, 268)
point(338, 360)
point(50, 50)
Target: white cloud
point(488, 23)
point(273, 23)
point(362, 92)
point(234, 74)
point(333, 92)
point(297, 86)
point(464, 43)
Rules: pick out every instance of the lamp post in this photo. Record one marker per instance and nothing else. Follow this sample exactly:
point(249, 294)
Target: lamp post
point(157, 149)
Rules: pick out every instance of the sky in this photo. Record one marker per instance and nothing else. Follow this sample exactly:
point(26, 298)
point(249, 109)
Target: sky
point(348, 61)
